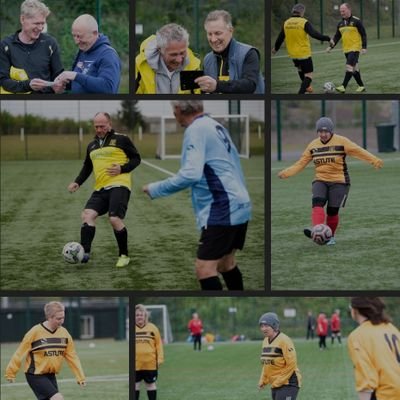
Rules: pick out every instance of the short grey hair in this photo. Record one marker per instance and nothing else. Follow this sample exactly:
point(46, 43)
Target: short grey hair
point(298, 9)
point(50, 309)
point(188, 107)
point(29, 8)
point(219, 14)
point(171, 32)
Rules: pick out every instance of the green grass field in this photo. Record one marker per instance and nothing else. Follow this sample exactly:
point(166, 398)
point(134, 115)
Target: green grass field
point(232, 371)
point(39, 216)
point(105, 367)
point(366, 255)
point(378, 68)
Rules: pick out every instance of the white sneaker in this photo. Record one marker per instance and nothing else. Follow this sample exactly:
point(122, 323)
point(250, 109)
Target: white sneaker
point(331, 242)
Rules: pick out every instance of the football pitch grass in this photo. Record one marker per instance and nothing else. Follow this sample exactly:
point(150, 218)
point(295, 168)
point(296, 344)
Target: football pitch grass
point(105, 365)
point(366, 256)
point(378, 68)
point(232, 371)
point(38, 216)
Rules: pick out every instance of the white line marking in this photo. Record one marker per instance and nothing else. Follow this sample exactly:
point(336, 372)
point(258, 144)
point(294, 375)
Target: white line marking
point(165, 171)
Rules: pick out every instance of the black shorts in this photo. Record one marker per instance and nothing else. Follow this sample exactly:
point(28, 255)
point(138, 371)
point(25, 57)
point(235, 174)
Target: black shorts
point(334, 193)
point(149, 376)
point(218, 241)
point(304, 65)
point(285, 393)
point(114, 201)
point(352, 58)
point(44, 386)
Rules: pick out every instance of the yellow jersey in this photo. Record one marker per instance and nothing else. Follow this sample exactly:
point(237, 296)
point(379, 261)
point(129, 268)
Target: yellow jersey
point(352, 33)
point(44, 352)
point(149, 348)
point(296, 38)
point(279, 362)
point(375, 353)
point(330, 159)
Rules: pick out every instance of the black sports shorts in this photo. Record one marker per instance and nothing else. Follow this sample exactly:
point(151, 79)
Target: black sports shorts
point(149, 376)
point(352, 58)
point(285, 393)
point(114, 201)
point(218, 241)
point(334, 193)
point(305, 65)
point(44, 386)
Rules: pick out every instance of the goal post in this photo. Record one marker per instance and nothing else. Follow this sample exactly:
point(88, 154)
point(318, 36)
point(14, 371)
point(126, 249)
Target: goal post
point(158, 315)
point(171, 134)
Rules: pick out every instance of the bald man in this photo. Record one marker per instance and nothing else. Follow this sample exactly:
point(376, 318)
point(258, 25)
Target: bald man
point(97, 66)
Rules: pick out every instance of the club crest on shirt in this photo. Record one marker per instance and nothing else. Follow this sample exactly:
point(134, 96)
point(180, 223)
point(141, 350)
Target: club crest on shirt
point(84, 66)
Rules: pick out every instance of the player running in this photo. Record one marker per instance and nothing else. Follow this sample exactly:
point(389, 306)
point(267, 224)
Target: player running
point(374, 349)
point(354, 42)
point(279, 360)
point(44, 348)
point(295, 32)
point(149, 352)
point(112, 157)
point(331, 185)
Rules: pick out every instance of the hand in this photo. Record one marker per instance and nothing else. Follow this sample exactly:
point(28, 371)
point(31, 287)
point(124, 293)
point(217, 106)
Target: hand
point(273, 52)
point(261, 386)
point(82, 383)
point(206, 83)
point(114, 170)
point(363, 51)
point(39, 84)
point(145, 189)
point(328, 49)
point(378, 163)
point(73, 187)
point(282, 174)
point(10, 380)
point(59, 86)
point(66, 76)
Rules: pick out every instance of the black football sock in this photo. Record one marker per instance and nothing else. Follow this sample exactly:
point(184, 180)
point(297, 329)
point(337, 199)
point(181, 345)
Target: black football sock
point(305, 84)
point(122, 240)
point(87, 236)
point(347, 78)
point(233, 279)
point(357, 77)
point(301, 75)
point(212, 283)
point(152, 394)
point(137, 392)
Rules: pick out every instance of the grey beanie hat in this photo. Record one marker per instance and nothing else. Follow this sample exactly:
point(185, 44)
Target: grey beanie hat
point(324, 124)
point(270, 319)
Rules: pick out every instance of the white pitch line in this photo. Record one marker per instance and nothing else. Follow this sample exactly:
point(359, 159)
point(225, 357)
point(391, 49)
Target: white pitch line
point(339, 49)
point(100, 378)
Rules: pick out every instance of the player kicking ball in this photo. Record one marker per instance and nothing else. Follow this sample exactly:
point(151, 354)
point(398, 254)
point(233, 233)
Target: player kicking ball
point(112, 157)
point(331, 184)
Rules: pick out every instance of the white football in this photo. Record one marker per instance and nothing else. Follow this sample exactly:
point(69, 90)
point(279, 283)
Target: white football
point(73, 252)
point(321, 234)
point(329, 87)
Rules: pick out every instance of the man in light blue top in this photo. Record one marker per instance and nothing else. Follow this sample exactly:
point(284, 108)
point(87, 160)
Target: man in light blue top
point(210, 166)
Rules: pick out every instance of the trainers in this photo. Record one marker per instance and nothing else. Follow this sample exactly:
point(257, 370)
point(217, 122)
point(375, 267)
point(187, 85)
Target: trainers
point(309, 89)
point(85, 258)
point(123, 261)
point(307, 232)
point(341, 89)
point(331, 242)
point(360, 89)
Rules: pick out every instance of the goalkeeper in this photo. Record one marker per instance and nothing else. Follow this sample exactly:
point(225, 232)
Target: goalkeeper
point(210, 166)
point(332, 181)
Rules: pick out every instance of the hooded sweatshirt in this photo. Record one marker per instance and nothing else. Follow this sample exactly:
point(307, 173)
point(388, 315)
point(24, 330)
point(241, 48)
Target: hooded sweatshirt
point(98, 69)
point(153, 75)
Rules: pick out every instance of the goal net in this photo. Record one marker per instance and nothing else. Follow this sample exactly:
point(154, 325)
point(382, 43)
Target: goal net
point(159, 317)
point(171, 134)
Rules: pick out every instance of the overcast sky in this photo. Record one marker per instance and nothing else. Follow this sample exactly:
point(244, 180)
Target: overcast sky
point(69, 108)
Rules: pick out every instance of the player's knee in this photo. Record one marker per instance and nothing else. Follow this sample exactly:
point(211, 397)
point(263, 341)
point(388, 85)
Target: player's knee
point(332, 211)
point(57, 396)
point(151, 386)
point(318, 202)
point(349, 68)
point(88, 217)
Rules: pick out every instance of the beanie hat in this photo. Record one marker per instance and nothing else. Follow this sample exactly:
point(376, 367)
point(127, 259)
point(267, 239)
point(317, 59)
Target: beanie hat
point(270, 319)
point(325, 124)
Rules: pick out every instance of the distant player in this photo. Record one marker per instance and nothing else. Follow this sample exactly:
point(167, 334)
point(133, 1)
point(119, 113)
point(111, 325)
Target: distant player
point(335, 327)
point(195, 327)
point(354, 42)
point(210, 166)
point(332, 180)
point(112, 157)
point(44, 348)
point(374, 349)
point(295, 32)
point(149, 352)
point(279, 360)
point(322, 330)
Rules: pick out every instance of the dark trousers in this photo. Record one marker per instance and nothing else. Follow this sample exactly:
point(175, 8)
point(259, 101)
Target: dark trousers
point(197, 339)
